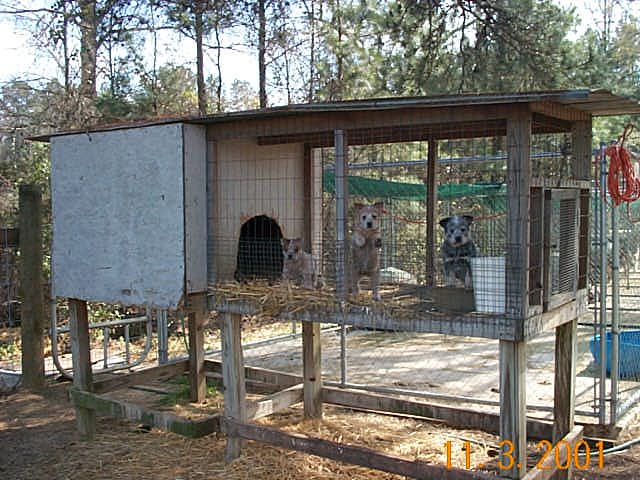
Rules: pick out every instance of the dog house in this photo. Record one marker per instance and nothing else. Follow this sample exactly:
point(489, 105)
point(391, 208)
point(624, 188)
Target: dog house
point(165, 213)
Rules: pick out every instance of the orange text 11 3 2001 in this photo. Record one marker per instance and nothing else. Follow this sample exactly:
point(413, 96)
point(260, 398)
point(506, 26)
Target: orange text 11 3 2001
point(580, 456)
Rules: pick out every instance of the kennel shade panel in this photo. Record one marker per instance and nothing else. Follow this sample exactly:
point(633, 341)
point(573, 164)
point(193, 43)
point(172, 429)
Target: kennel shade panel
point(119, 208)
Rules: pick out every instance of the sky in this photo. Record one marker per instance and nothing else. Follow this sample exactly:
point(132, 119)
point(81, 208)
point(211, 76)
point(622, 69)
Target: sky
point(18, 58)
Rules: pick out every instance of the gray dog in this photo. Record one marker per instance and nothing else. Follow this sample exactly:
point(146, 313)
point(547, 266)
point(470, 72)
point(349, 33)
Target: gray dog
point(457, 248)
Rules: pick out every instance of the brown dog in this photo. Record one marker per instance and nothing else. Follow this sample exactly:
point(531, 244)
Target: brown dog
point(298, 266)
point(366, 241)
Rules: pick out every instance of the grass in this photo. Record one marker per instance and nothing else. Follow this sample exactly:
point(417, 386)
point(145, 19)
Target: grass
point(180, 395)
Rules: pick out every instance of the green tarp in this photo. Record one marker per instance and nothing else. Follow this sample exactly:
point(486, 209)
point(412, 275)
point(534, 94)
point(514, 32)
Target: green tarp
point(373, 188)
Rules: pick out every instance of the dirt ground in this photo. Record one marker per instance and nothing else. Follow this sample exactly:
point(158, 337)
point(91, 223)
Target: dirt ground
point(38, 440)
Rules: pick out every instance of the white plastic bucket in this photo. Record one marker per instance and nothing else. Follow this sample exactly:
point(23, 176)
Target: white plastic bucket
point(488, 283)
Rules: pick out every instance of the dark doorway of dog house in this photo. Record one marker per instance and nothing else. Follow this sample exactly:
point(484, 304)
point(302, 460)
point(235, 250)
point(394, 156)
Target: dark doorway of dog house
point(259, 250)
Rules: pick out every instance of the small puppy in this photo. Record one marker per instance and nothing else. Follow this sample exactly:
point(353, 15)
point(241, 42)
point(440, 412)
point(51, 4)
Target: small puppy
point(366, 241)
point(457, 248)
point(299, 266)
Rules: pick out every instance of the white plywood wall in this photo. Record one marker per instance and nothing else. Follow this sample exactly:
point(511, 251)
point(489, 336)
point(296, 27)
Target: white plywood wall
point(252, 180)
point(118, 202)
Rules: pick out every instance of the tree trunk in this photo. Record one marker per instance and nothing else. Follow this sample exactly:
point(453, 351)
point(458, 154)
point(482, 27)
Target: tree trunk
point(312, 50)
point(262, 40)
point(88, 49)
point(219, 67)
point(202, 88)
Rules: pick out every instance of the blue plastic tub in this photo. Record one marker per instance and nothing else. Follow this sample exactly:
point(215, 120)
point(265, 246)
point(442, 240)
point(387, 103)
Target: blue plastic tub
point(629, 352)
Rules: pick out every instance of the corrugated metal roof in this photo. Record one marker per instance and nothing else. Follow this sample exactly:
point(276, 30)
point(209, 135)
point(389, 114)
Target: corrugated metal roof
point(595, 102)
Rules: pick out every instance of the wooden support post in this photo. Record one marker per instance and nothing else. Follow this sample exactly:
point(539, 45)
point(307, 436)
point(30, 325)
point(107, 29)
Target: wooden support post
point(513, 361)
point(581, 146)
point(312, 367)
point(581, 138)
point(513, 407)
point(32, 311)
point(564, 384)
point(233, 379)
point(197, 311)
point(432, 211)
point(81, 357)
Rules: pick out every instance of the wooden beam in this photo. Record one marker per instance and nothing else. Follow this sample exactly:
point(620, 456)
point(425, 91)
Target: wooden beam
point(518, 210)
point(197, 315)
point(581, 139)
point(513, 406)
point(395, 134)
point(262, 375)
point(432, 209)
point(235, 407)
point(556, 183)
point(574, 307)
point(349, 454)
point(293, 128)
point(549, 467)
point(165, 421)
point(564, 383)
point(584, 239)
point(537, 246)
point(453, 416)
point(31, 294)
point(312, 369)
point(275, 403)
point(81, 359)
point(161, 372)
point(559, 111)
point(472, 324)
point(513, 361)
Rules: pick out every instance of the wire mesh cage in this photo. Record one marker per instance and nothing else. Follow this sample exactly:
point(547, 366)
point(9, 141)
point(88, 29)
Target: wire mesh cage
point(270, 195)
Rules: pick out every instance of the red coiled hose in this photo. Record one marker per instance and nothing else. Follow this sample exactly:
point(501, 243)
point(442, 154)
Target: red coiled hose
point(624, 185)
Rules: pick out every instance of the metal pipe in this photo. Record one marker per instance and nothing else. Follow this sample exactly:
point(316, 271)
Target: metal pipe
point(342, 276)
point(127, 353)
point(105, 347)
point(341, 215)
point(603, 286)
point(54, 331)
point(615, 314)
point(163, 337)
point(269, 341)
point(54, 339)
point(111, 323)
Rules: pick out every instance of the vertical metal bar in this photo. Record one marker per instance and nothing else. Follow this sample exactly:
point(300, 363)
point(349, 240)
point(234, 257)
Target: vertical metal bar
point(603, 286)
point(431, 212)
point(394, 245)
point(163, 337)
point(127, 340)
point(595, 241)
point(341, 215)
point(105, 347)
point(342, 279)
point(615, 313)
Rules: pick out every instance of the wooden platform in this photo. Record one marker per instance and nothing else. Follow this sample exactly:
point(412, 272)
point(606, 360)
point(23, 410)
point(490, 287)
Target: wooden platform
point(403, 308)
